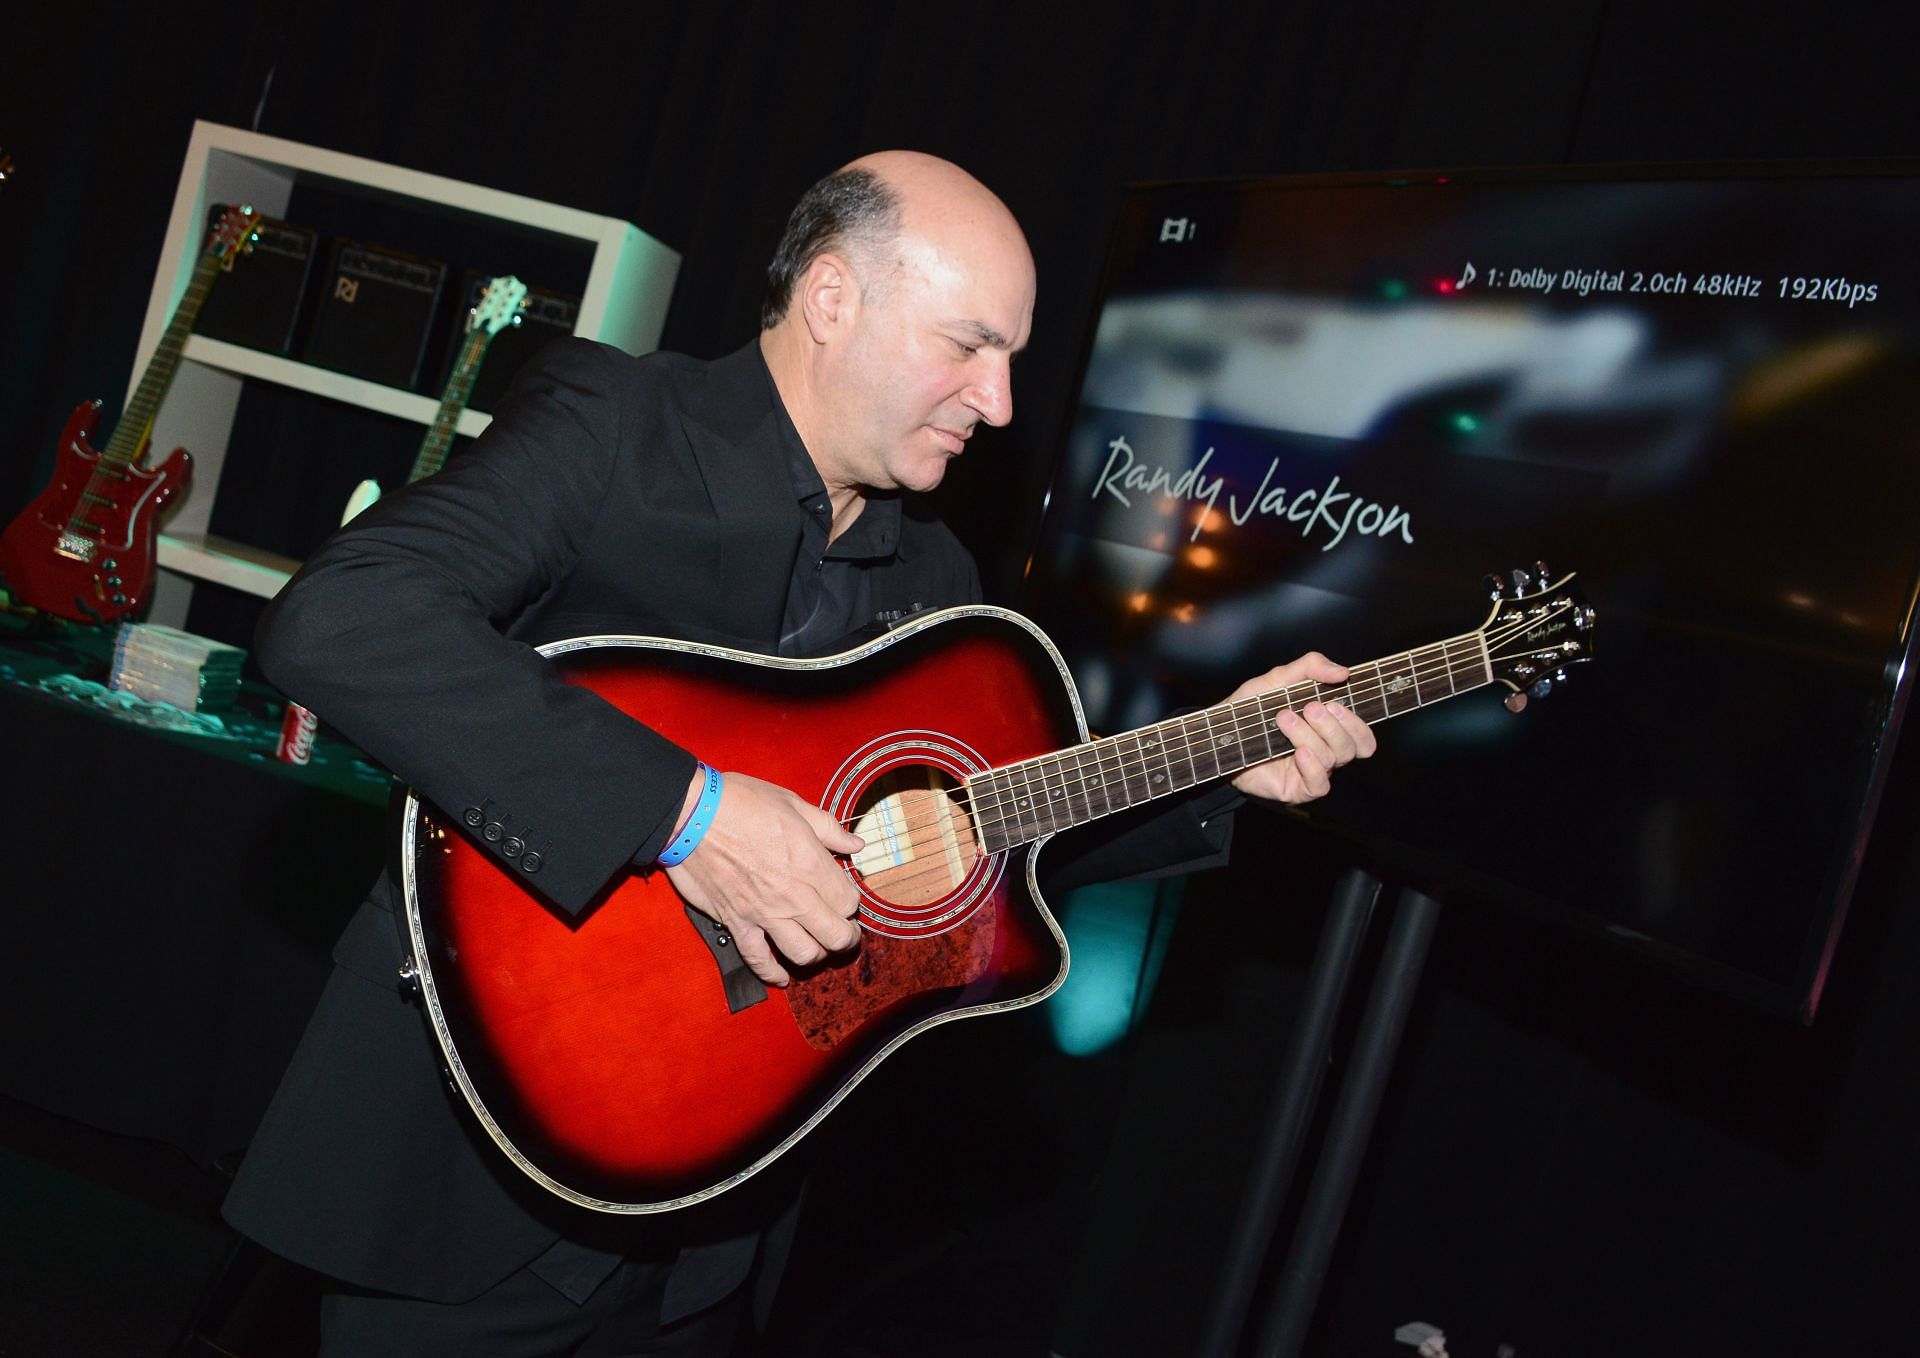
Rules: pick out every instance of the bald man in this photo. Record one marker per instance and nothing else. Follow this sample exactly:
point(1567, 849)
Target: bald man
point(766, 502)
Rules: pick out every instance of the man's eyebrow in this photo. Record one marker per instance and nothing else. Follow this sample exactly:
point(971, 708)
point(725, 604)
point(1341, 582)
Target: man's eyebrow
point(986, 333)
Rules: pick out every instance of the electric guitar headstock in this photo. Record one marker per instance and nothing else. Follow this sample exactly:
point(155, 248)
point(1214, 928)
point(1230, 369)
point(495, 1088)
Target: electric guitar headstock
point(1537, 627)
point(501, 303)
point(234, 235)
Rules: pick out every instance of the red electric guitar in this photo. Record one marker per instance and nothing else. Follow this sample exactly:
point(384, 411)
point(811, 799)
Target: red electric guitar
point(619, 1060)
point(83, 548)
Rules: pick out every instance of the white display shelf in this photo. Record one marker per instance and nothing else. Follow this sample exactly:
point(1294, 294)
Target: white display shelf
point(624, 303)
point(252, 570)
point(335, 386)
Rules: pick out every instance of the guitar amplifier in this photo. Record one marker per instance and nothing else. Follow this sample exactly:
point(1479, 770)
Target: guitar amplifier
point(549, 316)
point(257, 303)
point(375, 312)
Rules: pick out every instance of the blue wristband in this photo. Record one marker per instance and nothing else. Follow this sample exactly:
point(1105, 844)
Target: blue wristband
point(695, 829)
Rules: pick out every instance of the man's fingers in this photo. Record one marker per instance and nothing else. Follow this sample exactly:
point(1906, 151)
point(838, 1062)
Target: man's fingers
point(832, 834)
point(758, 955)
point(1361, 734)
point(1321, 670)
point(1315, 776)
point(795, 942)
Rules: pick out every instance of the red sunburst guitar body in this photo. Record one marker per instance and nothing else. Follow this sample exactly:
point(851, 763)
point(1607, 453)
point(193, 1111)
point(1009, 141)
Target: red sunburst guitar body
point(84, 548)
point(603, 1055)
point(620, 1061)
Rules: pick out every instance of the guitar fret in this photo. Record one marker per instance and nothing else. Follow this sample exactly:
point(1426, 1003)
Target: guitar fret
point(1205, 754)
point(1435, 674)
point(1053, 794)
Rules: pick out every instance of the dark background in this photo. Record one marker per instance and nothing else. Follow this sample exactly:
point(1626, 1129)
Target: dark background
point(1579, 1154)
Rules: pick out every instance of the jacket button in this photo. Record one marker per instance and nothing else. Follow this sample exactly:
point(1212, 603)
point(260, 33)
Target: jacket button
point(514, 846)
point(472, 817)
point(492, 833)
point(531, 863)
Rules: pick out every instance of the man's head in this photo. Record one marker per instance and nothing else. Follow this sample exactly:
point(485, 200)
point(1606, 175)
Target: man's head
point(895, 304)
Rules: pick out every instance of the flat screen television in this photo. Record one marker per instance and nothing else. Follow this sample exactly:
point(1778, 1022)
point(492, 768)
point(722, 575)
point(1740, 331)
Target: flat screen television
point(1316, 412)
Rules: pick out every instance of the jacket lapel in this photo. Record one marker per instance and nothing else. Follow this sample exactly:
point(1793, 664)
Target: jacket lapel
point(734, 431)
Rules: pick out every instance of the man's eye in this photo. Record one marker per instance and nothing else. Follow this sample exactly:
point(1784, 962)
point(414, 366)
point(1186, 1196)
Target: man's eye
point(968, 349)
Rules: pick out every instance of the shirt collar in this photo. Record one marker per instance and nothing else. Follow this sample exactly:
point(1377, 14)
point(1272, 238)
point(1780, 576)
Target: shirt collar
point(875, 534)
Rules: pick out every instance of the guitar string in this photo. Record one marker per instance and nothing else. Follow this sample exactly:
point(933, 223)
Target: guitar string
point(935, 865)
point(1250, 715)
point(1246, 715)
point(1241, 716)
point(1427, 662)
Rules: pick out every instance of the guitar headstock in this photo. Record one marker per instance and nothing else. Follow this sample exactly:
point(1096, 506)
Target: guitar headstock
point(234, 235)
point(1537, 628)
point(500, 305)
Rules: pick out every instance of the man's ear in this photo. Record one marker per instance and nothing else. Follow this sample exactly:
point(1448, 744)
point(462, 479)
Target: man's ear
point(828, 296)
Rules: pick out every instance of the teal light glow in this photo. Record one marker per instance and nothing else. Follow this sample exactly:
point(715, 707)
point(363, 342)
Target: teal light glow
point(1393, 289)
point(1118, 935)
point(1466, 423)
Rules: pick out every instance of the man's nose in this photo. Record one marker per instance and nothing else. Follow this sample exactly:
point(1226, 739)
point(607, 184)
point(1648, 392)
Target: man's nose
point(992, 396)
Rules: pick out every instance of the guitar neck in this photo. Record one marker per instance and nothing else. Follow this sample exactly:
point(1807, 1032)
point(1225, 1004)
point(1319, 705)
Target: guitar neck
point(130, 435)
point(1019, 803)
point(439, 441)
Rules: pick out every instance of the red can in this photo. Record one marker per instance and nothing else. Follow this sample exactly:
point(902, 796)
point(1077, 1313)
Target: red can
point(296, 735)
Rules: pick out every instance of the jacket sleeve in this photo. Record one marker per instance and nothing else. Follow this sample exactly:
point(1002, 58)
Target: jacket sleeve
point(1187, 833)
point(394, 633)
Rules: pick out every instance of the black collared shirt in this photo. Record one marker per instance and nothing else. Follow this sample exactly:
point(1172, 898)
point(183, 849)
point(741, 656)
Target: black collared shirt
point(829, 593)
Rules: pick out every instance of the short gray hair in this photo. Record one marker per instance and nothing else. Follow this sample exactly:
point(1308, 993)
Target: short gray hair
point(852, 211)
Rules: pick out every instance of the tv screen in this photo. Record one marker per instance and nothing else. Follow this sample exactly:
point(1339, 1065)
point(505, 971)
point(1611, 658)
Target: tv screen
point(1316, 412)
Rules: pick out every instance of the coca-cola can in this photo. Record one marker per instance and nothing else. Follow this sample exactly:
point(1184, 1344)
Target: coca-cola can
point(296, 735)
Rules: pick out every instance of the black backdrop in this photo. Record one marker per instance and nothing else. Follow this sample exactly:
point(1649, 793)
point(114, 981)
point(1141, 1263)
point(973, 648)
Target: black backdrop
point(1581, 1157)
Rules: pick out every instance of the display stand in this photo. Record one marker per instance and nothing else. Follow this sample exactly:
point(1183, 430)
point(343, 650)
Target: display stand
point(1302, 1271)
point(629, 283)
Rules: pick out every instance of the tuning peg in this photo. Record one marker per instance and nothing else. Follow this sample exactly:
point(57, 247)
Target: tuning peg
point(1519, 581)
point(1540, 569)
point(1496, 588)
point(1516, 703)
point(1541, 688)
point(1559, 676)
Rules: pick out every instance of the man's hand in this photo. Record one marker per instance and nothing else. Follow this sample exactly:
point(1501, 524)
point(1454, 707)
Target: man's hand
point(1324, 735)
point(765, 870)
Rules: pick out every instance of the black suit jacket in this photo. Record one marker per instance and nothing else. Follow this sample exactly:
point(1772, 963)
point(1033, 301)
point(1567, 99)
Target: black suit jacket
point(611, 495)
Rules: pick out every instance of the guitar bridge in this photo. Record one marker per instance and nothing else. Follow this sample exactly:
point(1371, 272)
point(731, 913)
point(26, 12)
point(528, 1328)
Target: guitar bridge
point(75, 547)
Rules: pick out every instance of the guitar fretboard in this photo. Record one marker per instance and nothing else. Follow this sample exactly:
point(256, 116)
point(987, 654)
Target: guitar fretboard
point(433, 449)
point(130, 435)
point(1022, 802)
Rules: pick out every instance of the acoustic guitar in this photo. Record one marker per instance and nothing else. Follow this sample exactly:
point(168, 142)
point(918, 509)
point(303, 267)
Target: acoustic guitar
point(618, 1061)
point(83, 548)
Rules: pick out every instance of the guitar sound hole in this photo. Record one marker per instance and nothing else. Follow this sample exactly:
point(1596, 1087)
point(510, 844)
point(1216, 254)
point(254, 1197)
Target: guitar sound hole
point(920, 846)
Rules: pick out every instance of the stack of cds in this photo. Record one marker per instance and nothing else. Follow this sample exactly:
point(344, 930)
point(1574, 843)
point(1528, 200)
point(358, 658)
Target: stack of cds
point(166, 665)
